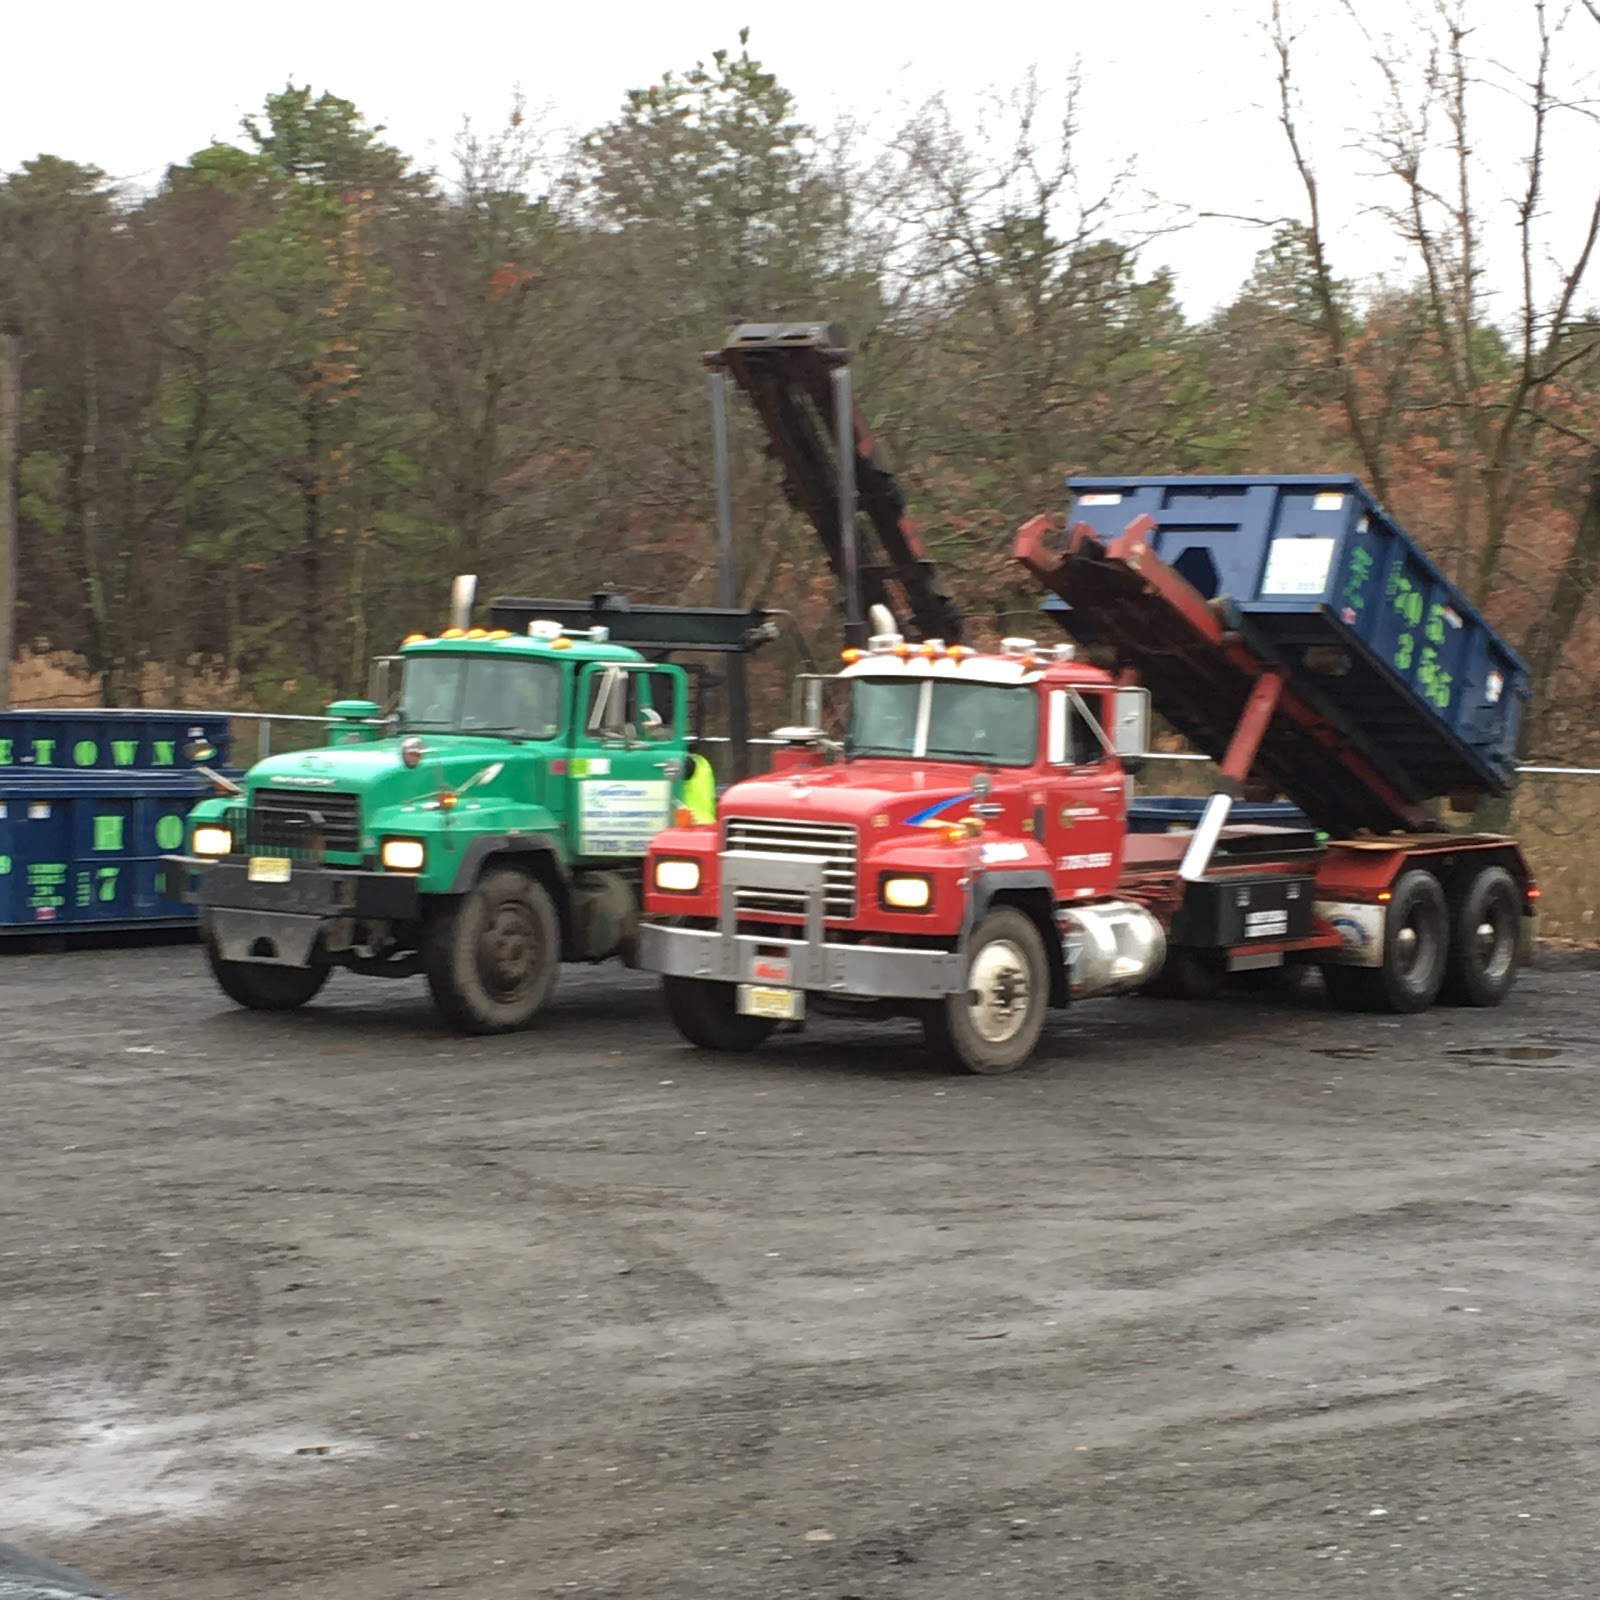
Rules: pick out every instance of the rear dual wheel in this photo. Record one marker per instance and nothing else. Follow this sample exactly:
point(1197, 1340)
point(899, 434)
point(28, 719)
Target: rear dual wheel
point(1462, 950)
point(1485, 929)
point(1416, 942)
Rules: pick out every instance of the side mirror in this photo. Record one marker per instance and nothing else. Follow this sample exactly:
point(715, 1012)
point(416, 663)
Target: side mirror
point(1130, 733)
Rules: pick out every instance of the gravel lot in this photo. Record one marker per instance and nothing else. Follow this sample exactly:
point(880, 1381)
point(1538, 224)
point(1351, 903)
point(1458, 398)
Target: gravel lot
point(1239, 1299)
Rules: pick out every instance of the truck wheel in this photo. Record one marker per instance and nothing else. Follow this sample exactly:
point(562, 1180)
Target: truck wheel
point(1485, 923)
point(1415, 944)
point(492, 954)
point(992, 1023)
point(265, 988)
point(705, 1013)
point(1188, 975)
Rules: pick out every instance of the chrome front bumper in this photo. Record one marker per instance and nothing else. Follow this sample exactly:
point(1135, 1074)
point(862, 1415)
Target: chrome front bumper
point(807, 962)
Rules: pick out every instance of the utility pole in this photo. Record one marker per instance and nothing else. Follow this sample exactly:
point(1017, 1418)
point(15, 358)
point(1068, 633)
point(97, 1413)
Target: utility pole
point(10, 458)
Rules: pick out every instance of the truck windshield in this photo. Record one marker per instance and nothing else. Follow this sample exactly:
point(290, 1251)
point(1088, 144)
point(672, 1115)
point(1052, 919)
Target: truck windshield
point(943, 720)
point(518, 699)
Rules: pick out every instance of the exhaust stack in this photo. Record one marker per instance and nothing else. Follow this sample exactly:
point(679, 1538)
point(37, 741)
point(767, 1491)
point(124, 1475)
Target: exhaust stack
point(463, 591)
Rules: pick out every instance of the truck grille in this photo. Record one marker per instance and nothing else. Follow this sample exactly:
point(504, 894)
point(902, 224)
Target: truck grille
point(834, 844)
point(294, 820)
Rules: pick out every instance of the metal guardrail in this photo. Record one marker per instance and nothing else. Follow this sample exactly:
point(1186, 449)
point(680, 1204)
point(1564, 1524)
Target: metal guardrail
point(264, 721)
point(1191, 755)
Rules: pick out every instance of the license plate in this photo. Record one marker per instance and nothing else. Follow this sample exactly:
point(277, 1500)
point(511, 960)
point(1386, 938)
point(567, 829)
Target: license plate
point(268, 869)
point(781, 1005)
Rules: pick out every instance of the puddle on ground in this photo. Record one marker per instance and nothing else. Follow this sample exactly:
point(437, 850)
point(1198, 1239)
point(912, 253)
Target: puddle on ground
point(108, 1461)
point(1515, 1055)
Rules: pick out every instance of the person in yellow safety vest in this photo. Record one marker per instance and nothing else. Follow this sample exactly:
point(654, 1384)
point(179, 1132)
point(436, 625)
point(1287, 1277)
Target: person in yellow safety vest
point(700, 790)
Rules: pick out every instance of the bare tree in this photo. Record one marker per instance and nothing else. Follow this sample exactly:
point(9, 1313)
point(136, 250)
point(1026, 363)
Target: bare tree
point(1496, 376)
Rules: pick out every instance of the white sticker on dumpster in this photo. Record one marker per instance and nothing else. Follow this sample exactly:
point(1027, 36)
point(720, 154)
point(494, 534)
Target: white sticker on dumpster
point(619, 817)
point(1298, 566)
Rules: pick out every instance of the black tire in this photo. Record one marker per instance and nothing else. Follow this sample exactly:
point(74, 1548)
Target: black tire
point(261, 987)
point(992, 1023)
point(1485, 931)
point(1188, 975)
point(492, 955)
point(1416, 943)
point(706, 1014)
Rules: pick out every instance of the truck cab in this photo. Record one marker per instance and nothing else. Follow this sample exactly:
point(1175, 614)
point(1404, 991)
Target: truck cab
point(490, 827)
point(951, 861)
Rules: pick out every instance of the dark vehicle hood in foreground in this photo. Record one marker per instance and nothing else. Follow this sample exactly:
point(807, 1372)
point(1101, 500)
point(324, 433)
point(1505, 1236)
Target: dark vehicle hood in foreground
point(24, 1577)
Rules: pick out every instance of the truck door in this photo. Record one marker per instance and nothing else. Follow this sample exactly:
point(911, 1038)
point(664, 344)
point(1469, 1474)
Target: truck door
point(1087, 793)
point(628, 756)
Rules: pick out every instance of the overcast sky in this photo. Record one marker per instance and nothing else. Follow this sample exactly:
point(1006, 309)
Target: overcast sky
point(1184, 87)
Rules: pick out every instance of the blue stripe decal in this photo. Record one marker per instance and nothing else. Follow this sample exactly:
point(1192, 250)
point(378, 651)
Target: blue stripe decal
point(930, 812)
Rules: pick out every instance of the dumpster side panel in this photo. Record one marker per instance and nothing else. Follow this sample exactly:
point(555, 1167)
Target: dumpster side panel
point(1328, 582)
point(89, 801)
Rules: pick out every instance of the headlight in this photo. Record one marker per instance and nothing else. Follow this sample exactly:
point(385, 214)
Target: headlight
point(677, 876)
point(210, 840)
point(907, 894)
point(403, 855)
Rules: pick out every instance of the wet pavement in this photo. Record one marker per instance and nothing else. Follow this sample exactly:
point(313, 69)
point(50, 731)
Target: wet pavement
point(1237, 1299)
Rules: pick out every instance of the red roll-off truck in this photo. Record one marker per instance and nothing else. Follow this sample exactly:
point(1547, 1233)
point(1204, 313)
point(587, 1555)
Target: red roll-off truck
point(965, 855)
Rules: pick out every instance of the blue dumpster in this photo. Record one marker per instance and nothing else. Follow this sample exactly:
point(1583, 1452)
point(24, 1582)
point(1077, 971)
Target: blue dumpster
point(1317, 575)
point(89, 802)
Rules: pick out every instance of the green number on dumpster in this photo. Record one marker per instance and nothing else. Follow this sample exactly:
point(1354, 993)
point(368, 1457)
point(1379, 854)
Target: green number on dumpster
point(1407, 598)
point(1434, 679)
point(1355, 585)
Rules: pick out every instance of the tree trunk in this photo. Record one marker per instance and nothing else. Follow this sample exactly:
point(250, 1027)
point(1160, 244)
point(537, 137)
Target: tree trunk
point(311, 551)
point(84, 489)
point(10, 456)
point(1576, 580)
point(1575, 583)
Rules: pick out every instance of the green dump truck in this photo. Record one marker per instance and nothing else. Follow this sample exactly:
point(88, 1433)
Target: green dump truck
point(488, 827)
